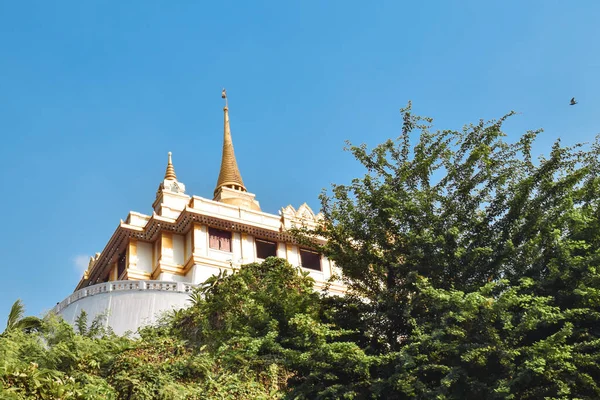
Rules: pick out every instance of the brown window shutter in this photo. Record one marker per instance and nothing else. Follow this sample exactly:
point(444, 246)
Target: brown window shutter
point(219, 240)
point(226, 243)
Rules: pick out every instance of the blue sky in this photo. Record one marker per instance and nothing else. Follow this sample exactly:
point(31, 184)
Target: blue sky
point(94, 94)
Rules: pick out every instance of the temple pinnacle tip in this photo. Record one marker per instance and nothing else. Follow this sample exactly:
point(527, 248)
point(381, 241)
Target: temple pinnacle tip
point(170, 172)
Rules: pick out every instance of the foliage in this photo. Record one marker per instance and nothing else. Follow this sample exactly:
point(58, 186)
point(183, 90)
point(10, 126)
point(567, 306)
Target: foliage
point(265, 320)
point(258, 300)
point(473, 269)
point(55, 363)
point(500, 342)
point(16, 321)
point(60, 363)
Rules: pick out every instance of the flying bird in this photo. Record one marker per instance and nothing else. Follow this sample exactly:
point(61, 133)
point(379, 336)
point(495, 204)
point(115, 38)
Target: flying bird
point(573, 102)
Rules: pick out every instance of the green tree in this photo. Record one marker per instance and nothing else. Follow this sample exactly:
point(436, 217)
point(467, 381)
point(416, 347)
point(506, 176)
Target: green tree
point(264, 321)
point(465, 210)
point(257, 301)
point(500, 342)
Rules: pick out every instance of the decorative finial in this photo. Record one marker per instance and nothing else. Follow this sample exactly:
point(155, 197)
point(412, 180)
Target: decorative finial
point(224, 96)
point(170, 172)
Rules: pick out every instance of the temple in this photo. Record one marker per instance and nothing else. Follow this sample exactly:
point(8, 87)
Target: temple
point(186, 240)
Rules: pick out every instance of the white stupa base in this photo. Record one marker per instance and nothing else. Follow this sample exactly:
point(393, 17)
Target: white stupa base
point(127, 305)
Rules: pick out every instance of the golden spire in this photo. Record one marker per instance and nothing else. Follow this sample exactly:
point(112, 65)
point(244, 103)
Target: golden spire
point(229, 176)
point(170, 172)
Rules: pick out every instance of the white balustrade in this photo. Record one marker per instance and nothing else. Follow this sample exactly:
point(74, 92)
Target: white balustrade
point(114, 286)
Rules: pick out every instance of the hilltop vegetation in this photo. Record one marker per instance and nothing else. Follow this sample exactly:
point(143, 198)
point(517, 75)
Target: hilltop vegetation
point(473, 274)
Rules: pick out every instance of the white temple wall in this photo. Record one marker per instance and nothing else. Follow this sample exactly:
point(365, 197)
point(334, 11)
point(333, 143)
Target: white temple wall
point(200, 240)
point(144, 256)
point(156, 255)
point(325, 268)
point(126, 310)
point(178, 252)
point(281, 251)
point(248, 249)
point(200, 273)
point(236, 248)
point(175, 201)
point(316, 275)
point(218, 255)
point(188, 245)
point(166, 276)
point(293, 255)
point(168, 212)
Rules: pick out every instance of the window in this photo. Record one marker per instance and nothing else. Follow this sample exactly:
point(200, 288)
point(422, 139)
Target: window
point(310, 259)
point(219, 240)
point(265, 249)
point(121, 263)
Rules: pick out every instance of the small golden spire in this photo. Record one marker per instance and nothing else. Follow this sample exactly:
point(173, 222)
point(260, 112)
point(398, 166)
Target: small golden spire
point(229, 175)
point(170, 173)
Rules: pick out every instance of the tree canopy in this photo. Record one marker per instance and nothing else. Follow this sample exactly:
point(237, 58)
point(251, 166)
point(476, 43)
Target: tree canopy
point(473, 265)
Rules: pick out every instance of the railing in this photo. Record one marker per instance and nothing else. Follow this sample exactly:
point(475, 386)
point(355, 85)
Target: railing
point(116, 286)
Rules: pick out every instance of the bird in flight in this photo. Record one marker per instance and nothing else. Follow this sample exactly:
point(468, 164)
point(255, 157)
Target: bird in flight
point(573, 102)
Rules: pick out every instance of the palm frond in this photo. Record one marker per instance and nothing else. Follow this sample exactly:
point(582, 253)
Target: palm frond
point(16, 321)
point(28, 324)
point(16, 313)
